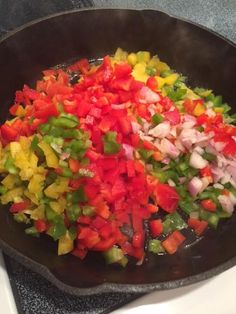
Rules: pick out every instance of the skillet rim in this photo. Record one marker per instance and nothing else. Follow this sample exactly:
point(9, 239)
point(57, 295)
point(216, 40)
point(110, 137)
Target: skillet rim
point(107, 287)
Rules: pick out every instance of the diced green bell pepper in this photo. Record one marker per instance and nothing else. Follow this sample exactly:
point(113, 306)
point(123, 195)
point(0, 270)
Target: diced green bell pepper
point(154, 246)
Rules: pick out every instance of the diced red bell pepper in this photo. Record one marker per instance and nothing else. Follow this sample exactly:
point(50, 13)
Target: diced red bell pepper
point(19, 207)
point(122, 69)
point(152, 208)
point(209, 205)
point(74, 165)
point(166, 197)
point(13, 109)
point(135, 140)
point(106, 231)
point(199, 226)
point(206, 172)
point(98, 222)
point(84, 220)
point(122, 83)
point(138, 240)
point(40, 225)
point(130, 168)
point(173, 116)
point(166, 102)
point(44, 109)
point(173, 241)
point(230, 149)
point(8, 133)
point(104, 245)
point(82, 65)
point(156, 227)
point(79, 253)
point(125, 125)
point(152, 83)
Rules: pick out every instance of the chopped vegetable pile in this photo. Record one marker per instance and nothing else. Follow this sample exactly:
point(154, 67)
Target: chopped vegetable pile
point(119, 157)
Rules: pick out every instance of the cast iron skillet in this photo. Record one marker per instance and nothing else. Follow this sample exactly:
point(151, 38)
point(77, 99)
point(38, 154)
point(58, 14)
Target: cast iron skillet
point(207, 59)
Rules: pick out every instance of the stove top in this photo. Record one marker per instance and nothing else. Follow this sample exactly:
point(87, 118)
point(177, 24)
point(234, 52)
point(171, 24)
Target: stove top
point(215, 295)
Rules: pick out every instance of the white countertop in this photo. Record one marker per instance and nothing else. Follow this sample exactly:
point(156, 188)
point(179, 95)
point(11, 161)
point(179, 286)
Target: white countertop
point(7, 302)
point(213, 296)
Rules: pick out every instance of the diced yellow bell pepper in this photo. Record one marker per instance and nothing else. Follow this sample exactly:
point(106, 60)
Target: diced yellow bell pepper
point(170, 79)
point(35, 185)
point(20, 112)
point(58, 206)
point(132, 58)
point(25, 144)
point(57, 188)
point(143, 56)
point(199, 110)
point(160, 82)
point(32, 197)
point(51, 158)
point(139, 72)
point(120, 55)
point(9, 181)
point(65, 244)
point(190, 94)
point(38, 213)
point(218, 109)
point(11, 195)
point(162, 66)
point(33, 159)
point(153, 63)
point(205, 93)
point(15, 148)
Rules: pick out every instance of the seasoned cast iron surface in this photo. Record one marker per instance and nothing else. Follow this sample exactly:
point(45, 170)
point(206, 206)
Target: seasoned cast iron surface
point(206, 59)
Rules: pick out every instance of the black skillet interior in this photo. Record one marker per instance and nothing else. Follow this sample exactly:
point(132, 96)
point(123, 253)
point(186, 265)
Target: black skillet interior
point(206, 59)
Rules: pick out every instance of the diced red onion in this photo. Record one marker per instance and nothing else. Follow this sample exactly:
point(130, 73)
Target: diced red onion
point(135, 126)
point(182, 180)
point(190, 118)
point(217, 173)
point(226, 177)
point(149, 167)
point(188, 125)
point(147, 138)
point(195, 186)
point(226, 203)
point(161, 130)
point(219, 146)
point(147, 96)
point(56, 147)
point(199, 150)
point(146, 126)
point(194, 215)
point(89, 120)
point(64, 155)
point(232, 198)
point(210, 112)
point(179, 145)
point(233, 183)
point(168, 148)
point(118, 106)
point(205, 183)
point(218, 186)
point(152, 109)
point(166, 161)
point(171, 182)
point(129, 150)
point(232, 171)
point(196, 161)
point(173, 131)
